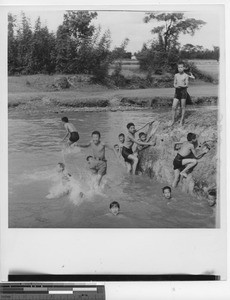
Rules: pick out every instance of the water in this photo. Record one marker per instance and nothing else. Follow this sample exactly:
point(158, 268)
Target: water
point(35, 150)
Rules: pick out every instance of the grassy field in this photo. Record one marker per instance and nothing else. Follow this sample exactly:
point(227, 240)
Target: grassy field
point(209, 66)
point(131, 68)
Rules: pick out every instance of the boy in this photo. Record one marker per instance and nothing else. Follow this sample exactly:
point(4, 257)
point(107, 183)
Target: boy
point(127, 151)
point(181, 85)
point(186, 157)
point(121, 138)
point(212, 197)
point(167, 192)
point(98, 147)
point(65, 177)
point(70, 131)
point(114, 208)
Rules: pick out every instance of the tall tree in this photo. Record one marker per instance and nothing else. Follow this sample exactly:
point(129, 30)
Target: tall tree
point(12, 44)
point(171, 25)
point(24, 39)
point(42, 50)
point(73, 39)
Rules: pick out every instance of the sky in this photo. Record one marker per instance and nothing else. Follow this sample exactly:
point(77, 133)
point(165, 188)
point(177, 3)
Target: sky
point(129, 24)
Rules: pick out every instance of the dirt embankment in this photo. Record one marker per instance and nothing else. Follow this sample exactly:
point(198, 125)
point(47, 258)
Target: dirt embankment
point(157, 161)
point(44, 89)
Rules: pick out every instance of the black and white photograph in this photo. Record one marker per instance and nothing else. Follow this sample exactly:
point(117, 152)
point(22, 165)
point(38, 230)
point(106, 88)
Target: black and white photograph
point(114, 121)
point(113, 118)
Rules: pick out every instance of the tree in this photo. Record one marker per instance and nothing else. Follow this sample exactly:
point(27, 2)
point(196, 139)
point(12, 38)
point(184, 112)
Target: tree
point(12, 44)
point(120, 52)
point(171, 25)
point(74, 37)
point(24, 39)
point(42, 50)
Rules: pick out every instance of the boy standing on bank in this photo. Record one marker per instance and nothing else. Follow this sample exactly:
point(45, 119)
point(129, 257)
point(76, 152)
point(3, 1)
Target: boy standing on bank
point(181, 85)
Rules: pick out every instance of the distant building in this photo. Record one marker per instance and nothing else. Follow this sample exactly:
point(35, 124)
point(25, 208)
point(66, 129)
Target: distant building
point(133, 57)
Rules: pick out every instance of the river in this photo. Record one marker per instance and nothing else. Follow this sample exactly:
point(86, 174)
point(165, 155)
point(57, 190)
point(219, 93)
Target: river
point(35, 150)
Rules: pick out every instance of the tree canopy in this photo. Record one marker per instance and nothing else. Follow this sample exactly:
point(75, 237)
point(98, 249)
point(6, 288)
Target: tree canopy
point(171, 25)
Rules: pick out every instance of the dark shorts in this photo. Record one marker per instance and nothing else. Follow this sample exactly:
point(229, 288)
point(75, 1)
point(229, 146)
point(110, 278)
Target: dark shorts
point(180, 93)
point(177, 163)
point(100, 168)
point(74, 136)
point(125, 153)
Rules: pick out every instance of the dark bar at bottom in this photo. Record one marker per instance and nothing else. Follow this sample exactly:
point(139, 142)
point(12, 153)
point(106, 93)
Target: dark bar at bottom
point(105, 277)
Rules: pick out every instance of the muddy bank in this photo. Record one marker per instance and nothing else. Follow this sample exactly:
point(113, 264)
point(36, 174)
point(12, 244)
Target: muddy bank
point(110, 102)
point(157, 162)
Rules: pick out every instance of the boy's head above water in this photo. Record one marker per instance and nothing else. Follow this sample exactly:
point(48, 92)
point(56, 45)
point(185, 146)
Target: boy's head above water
point(65, 120)
point(60, 167)
point(180, 67)
point(121, 137)
point(167, 192)
point(114, 208)
point(131, 127)
point(142, 136)
point(212, 197)
point(96, 137)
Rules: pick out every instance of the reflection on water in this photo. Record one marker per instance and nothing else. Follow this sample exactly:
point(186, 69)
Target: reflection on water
point(35, 150)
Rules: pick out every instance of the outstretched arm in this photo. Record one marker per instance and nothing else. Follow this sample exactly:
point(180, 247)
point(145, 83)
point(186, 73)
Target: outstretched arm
point(144, 126)
point(200, 155)
point(84, 145)
point(141, 143)
point(153, 132)
point(191, 76)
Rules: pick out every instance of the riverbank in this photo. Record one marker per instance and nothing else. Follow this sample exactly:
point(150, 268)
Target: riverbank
point(35, 89)
point(157, 162)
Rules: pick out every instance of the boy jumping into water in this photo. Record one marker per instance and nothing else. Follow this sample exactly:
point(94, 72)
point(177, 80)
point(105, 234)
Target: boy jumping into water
point(127, 151)
point(70, 131)
point(186, 157)
point(98, 147)
point(181, 85)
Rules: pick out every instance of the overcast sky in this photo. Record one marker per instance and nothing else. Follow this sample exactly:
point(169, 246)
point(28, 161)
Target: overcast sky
point(124, 24)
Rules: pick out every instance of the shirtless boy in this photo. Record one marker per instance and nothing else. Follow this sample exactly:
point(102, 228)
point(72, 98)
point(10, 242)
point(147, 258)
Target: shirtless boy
point(70, 131)
point(98, 147)
point(186, 158)
point(127, 151)
point(181, 85)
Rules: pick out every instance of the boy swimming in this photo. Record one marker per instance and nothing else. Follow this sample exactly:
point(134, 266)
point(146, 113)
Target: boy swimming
point(65, 187)
point(212, 197)
point(186, 158)
point(167, 192)
point(127, 151)
point(98, 147)
point(114, 208)
point(181, 85)
point(70, 131)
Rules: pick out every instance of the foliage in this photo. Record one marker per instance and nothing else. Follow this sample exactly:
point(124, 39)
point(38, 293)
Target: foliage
point(190, 51)
point(163, 53)
point(171, 25)
point(77, 47)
